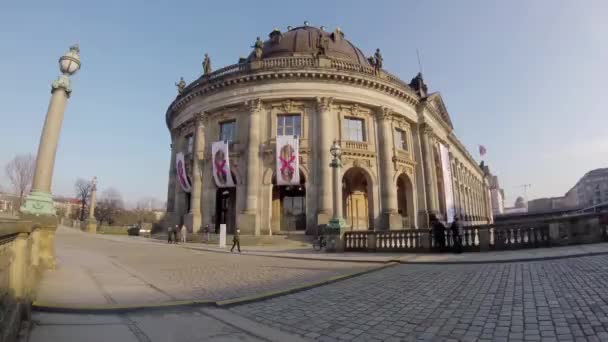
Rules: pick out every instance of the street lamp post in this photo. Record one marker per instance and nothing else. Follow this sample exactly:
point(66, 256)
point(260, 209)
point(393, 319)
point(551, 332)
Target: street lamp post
point(91, 221)
point(40, 201)
point(337, 225)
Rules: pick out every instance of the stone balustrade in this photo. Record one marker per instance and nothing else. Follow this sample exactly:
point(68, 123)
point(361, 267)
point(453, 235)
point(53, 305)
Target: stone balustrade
point(355, 145)
point(23, 249)
point(569, 230)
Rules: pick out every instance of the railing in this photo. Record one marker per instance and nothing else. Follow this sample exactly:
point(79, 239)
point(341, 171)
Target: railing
point(579, 229)
point(356, 145)
point(288, 62)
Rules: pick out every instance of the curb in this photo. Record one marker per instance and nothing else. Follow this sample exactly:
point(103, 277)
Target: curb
point(505, 261)
point(126, 308)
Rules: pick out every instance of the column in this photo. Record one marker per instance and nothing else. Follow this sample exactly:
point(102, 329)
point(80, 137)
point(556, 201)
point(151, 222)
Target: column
point(323, 158)
point(429, 172)
point(421, 195)
point(178, 193)
point(91, 224)
point(390, 217)
point(248, 218)
point(197, 182)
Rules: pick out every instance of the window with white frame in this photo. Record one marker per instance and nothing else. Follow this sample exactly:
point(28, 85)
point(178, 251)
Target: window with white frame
point(400, 139)
point(227, 130)
point(288, 124)
point(353, 129)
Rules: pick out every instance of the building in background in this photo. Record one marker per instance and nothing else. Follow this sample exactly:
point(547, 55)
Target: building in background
point(401, 159)
point(9, 203)
point(67, 206)
point(590, 190)
point(497, 194)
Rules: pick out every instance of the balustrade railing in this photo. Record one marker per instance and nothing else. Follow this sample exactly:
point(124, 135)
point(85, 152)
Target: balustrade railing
point(589, 228)
point(355, 145)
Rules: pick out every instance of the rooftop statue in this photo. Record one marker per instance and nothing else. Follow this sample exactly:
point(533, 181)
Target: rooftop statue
point(206, 65)
point(181, 85)
point(257, 47)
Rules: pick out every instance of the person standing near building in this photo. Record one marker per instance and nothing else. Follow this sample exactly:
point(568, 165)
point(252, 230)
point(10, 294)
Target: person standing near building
point(456, 237)
point(175, 232)
point(236, 240)
point(184, 233)
point(438, 233)
point(169, 234)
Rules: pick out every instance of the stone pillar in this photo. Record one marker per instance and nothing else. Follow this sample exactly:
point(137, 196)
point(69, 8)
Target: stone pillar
point(92, 221)
point(40, 200)
point(323, 157)
point(248, 218)
point(172, 177)
point(421, 194)
point(429, 172)
point(336, 226)
point(391, 220)
point(197, 182)
point(19, 266)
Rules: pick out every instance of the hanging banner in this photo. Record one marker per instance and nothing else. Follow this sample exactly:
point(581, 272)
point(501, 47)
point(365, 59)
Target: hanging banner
point(447, 183)
point(221, 164)
point(180, 168)
point(288, 160)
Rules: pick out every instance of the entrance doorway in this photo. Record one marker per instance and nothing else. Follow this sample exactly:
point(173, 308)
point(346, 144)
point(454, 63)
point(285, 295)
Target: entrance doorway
point(225, 208)
point(405, 200)
point(356, 187)
point(289, 206)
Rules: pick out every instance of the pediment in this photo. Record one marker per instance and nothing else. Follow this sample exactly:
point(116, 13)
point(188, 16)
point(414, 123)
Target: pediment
point(436, 103)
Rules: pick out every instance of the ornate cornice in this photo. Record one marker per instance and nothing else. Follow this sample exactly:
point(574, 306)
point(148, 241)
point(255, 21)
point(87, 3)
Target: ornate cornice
point(254, 105)
point(324, 104)
point(384, 113)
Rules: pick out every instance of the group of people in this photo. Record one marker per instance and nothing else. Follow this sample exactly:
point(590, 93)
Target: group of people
point(439, 234)
point(172, 233)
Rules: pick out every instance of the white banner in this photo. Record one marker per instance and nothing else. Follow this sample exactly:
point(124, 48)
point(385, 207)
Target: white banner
point(180, 169)
point(447, 183)
point(221, 164)
point(288, 160)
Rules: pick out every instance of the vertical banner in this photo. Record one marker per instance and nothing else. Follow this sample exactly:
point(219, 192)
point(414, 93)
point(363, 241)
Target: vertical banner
point(288, 160)
point(447, 183)
point(221, 164)
point(180, 169)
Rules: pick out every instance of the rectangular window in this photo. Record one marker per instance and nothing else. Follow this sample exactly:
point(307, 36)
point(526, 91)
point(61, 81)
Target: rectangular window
point(227, 130)
point(288, 124)
point(190, 145)
point(400, 139)
point(353, 129)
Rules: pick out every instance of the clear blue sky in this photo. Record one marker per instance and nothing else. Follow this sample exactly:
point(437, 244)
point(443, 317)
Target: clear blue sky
point(527, 79)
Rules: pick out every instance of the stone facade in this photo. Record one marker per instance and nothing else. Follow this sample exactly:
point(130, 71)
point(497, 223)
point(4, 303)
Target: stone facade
point(389, 131)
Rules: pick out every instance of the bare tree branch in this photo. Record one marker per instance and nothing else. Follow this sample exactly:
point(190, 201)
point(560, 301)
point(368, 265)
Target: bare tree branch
point(109, 206)
point(20, 172)
point(82, 187)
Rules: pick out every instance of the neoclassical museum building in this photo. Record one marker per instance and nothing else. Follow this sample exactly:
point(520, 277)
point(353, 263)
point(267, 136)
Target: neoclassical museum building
point(251, 143)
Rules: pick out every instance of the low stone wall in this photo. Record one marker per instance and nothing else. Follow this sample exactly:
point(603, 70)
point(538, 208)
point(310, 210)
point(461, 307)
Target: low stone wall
point(26, 249)
point(556, 231)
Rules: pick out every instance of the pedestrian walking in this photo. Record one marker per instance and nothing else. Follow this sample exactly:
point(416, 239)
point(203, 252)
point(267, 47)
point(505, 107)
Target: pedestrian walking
point(456, 237)
point(206, 233)
point(236, 240)
point(169, 234)
point(438, 233)
point(184, 233)
point(175, 232)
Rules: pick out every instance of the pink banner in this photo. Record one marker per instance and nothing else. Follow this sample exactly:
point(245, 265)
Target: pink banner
point(221, 164)
point(288, 160)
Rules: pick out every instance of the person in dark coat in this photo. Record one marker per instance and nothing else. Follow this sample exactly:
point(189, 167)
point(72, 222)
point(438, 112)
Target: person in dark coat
point(236, 240)
point(456, 237)
point(175, 231)
point(438, 233)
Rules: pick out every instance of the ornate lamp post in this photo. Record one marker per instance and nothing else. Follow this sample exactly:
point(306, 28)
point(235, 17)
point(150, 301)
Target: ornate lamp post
point(40, 201)
point(337, 225)
point(91, 221)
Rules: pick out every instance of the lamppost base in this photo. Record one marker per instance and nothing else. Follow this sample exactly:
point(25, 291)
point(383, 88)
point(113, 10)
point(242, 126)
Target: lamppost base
point(38, 203)
point(91, 226)
point(335, 235)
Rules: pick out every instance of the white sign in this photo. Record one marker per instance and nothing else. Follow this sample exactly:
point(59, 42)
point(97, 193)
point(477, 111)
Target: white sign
point(288, 160)
point(222, 235)
point(221, 164)
point(182, 177)
point(447, 183)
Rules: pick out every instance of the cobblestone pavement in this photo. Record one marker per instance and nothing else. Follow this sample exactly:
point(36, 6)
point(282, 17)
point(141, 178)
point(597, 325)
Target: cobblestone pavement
point(130, 270)
point(560, 300)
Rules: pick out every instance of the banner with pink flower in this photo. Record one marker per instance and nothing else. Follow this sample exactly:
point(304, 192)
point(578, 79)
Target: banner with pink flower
point(180, 169)
point(221, 164)
point(288, 160)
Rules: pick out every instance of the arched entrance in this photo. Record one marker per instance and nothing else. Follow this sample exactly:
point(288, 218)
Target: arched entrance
point(405, 200)
point(356, 193)
point(289, 206)
point(225, 208)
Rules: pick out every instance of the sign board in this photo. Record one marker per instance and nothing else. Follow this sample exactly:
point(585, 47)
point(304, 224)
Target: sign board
point(448, 190)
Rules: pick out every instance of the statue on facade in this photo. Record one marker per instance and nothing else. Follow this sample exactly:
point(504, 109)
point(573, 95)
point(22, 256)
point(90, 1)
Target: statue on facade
point(378, 60)
point(322, 45)
point(206, 65)
point(257, 48)
point(181, 85)
point(417, 83)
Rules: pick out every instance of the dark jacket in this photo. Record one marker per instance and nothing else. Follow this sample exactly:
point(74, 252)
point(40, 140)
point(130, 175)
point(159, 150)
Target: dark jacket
point(237, 236)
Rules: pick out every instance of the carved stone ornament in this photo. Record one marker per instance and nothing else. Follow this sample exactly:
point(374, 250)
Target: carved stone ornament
point(324, 103)
point(384, 113)
point(288, 106)
point(254, 105)
point(62, 82)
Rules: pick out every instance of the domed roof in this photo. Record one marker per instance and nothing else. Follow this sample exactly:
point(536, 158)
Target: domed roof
point(306, 40)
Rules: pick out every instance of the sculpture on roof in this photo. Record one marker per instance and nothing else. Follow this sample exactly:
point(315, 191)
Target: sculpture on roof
point(206, 65)
point(181, 85)
point(378, 59)
point(323, 45)
point(257, 48)
point(417, 83)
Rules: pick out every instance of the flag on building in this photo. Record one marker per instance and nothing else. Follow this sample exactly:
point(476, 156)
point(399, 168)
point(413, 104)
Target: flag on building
point(221, 164)
point(482, 150)
point(182, 176)
point(288, 168)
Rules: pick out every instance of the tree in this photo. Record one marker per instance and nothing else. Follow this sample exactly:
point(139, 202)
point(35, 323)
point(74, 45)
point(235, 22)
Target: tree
point(20, 172)
point(83, 191)
point(109, 206)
